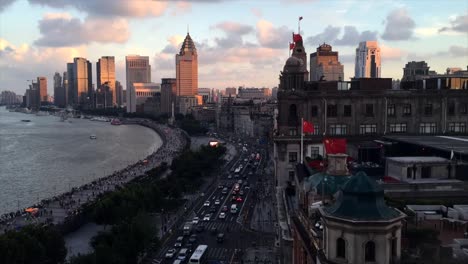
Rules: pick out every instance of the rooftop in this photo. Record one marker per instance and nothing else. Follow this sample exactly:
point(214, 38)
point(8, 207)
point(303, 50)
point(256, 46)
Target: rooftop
point(418, 159)
point(458, 144)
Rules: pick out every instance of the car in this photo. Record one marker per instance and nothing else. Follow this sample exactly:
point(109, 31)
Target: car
point(222, 215)
point(170, 253)
point(178, 243)
point(195, 220)
point(239, 199)
point(234, 192)
point(207, 203)
point(189, 246)
point(217, 202)
point(212, 209)
point(200, 228)
point(220, 186)
point(207, 217)
point(193, 238)
point(225, 190)
point(245, 160)
point(220, 238)
point(229, 176)
point(225, 208)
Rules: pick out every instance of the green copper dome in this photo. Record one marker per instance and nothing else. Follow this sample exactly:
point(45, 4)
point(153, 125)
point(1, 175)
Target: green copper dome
point(362, 199)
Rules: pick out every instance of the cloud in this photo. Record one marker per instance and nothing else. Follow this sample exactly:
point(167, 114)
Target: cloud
point(62, 30)
point(399, 25)
point(5, 3)
point(352, 37)
point(272, 37)
point(459, 24)
point(234, 33)
point(458, 51)
point(329, 35)
point(124, 8)
point(388, 53)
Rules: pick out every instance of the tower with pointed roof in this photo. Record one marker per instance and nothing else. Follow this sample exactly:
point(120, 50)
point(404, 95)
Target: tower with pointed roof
point(187, 68)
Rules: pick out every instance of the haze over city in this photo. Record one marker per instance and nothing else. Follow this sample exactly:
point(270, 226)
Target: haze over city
point(238, 42)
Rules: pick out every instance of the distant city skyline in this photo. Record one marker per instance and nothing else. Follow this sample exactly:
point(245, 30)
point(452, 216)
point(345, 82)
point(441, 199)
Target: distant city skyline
point(245, 43)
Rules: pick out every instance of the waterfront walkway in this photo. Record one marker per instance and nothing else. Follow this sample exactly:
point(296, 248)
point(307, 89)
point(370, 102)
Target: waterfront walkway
point(59, 209)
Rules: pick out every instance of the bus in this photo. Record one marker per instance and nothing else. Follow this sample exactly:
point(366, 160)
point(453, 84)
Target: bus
point(198, 256)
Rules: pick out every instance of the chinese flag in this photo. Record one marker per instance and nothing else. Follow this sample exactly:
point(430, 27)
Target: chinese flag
point(297, 37)
point(307, 127)
point(335, 145)
point(291, 46)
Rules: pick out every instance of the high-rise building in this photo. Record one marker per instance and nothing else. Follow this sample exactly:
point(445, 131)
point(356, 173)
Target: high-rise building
point(42, 89)
point(65, 88)
point(105, 73)
point(137, 70)
point(230, 91)
point(324, 65)
point(59, 91)
point(367, 60)
point(119, 93)
point(168, 94)
point(187, 68)
point(70, 84)
point(83, 84)
point(141, 92)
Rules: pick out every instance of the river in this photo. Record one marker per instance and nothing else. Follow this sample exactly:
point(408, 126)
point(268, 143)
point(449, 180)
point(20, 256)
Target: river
point(46, 157)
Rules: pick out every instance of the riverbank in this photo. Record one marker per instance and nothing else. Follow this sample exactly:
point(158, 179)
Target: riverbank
point(64, 210)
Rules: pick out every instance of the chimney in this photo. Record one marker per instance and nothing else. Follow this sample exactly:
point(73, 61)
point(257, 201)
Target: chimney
point(337, 164)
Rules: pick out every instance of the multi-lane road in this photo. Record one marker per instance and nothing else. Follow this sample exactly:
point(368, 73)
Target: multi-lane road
point(224, 212)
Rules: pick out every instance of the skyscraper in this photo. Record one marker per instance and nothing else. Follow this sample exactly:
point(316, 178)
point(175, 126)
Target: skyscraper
point(65, 88)
point(187, 68)
point(367, 60)
point(59, 93)
point(70, 91)
point(105, 73)
point(168, 94)
point(138, 70)
point(118, 93)
point(83, 84)
point(324, 63)
point(42, 89)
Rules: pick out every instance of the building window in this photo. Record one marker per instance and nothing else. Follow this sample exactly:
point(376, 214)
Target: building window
point(398, 128)
point(391, 110)
point(428, 109)
point(463, 109)
point(368, 129)
point(314, 111)
point(293, 132)
point(292, 157)
point(340, 248)
point(293, 120)
point(425, 172)
point(457, 127)
point(338, 129)
point(331, 110)
point(369, 110)
point(347, 110)
point(407, 110)
point(427, 128)
point(316, 130)
point(314, 152)
point(451, 109)
point(370, 251)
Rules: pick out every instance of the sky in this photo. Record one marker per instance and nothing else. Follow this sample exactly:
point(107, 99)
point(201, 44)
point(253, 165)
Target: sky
point(239, 42)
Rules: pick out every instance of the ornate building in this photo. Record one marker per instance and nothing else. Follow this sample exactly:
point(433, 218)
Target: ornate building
point(187, 68)
point(324, 65)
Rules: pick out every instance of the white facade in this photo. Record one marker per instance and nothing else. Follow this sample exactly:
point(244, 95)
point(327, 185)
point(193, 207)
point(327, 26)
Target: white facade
point(367, 63)
point(139, 93)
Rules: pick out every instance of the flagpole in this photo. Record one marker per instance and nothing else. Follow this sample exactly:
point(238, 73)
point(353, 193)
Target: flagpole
point(302, 140)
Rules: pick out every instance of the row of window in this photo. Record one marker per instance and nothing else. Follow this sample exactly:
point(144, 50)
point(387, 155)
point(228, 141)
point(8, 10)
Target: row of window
point(332, 110)
point(424, 128)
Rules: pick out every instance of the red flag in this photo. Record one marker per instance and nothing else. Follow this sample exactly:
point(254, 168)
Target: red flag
point(307, 127)
point(300, 18)
point(291, 46)
point(297, 37)
point(335, 145)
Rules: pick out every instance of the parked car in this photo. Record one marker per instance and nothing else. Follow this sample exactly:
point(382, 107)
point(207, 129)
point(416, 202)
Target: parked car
point(170, 253)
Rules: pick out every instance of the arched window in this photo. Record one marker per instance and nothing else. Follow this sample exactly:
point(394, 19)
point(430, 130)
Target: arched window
point(292, 118)
point(340, 248)
point(370, 251)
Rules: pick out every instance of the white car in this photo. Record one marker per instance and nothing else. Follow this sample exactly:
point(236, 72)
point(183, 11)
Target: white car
point(170, 253)
point(207, 217)
point(195, 220)
point(222, 215)
point(207, 203)
point(217, 202)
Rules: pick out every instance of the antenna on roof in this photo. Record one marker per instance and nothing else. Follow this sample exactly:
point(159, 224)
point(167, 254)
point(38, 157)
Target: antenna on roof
point(188, 30)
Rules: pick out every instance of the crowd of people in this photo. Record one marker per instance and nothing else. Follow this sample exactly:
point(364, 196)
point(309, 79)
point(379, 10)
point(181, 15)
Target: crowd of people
point(61, 208)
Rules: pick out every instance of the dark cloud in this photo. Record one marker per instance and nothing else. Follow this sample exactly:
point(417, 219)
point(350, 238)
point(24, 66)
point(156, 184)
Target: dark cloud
point(329, 35)
point(5, 3)
point(399, 25)
point(61, 31)
point(352, 37)
point(170, 49)
point(459, 24)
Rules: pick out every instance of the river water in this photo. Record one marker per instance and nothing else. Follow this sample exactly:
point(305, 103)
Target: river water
point(46, 157)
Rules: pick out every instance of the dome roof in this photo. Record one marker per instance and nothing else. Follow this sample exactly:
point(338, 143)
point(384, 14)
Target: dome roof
point(188, 45)
point(362, 199)
point(293, 64)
